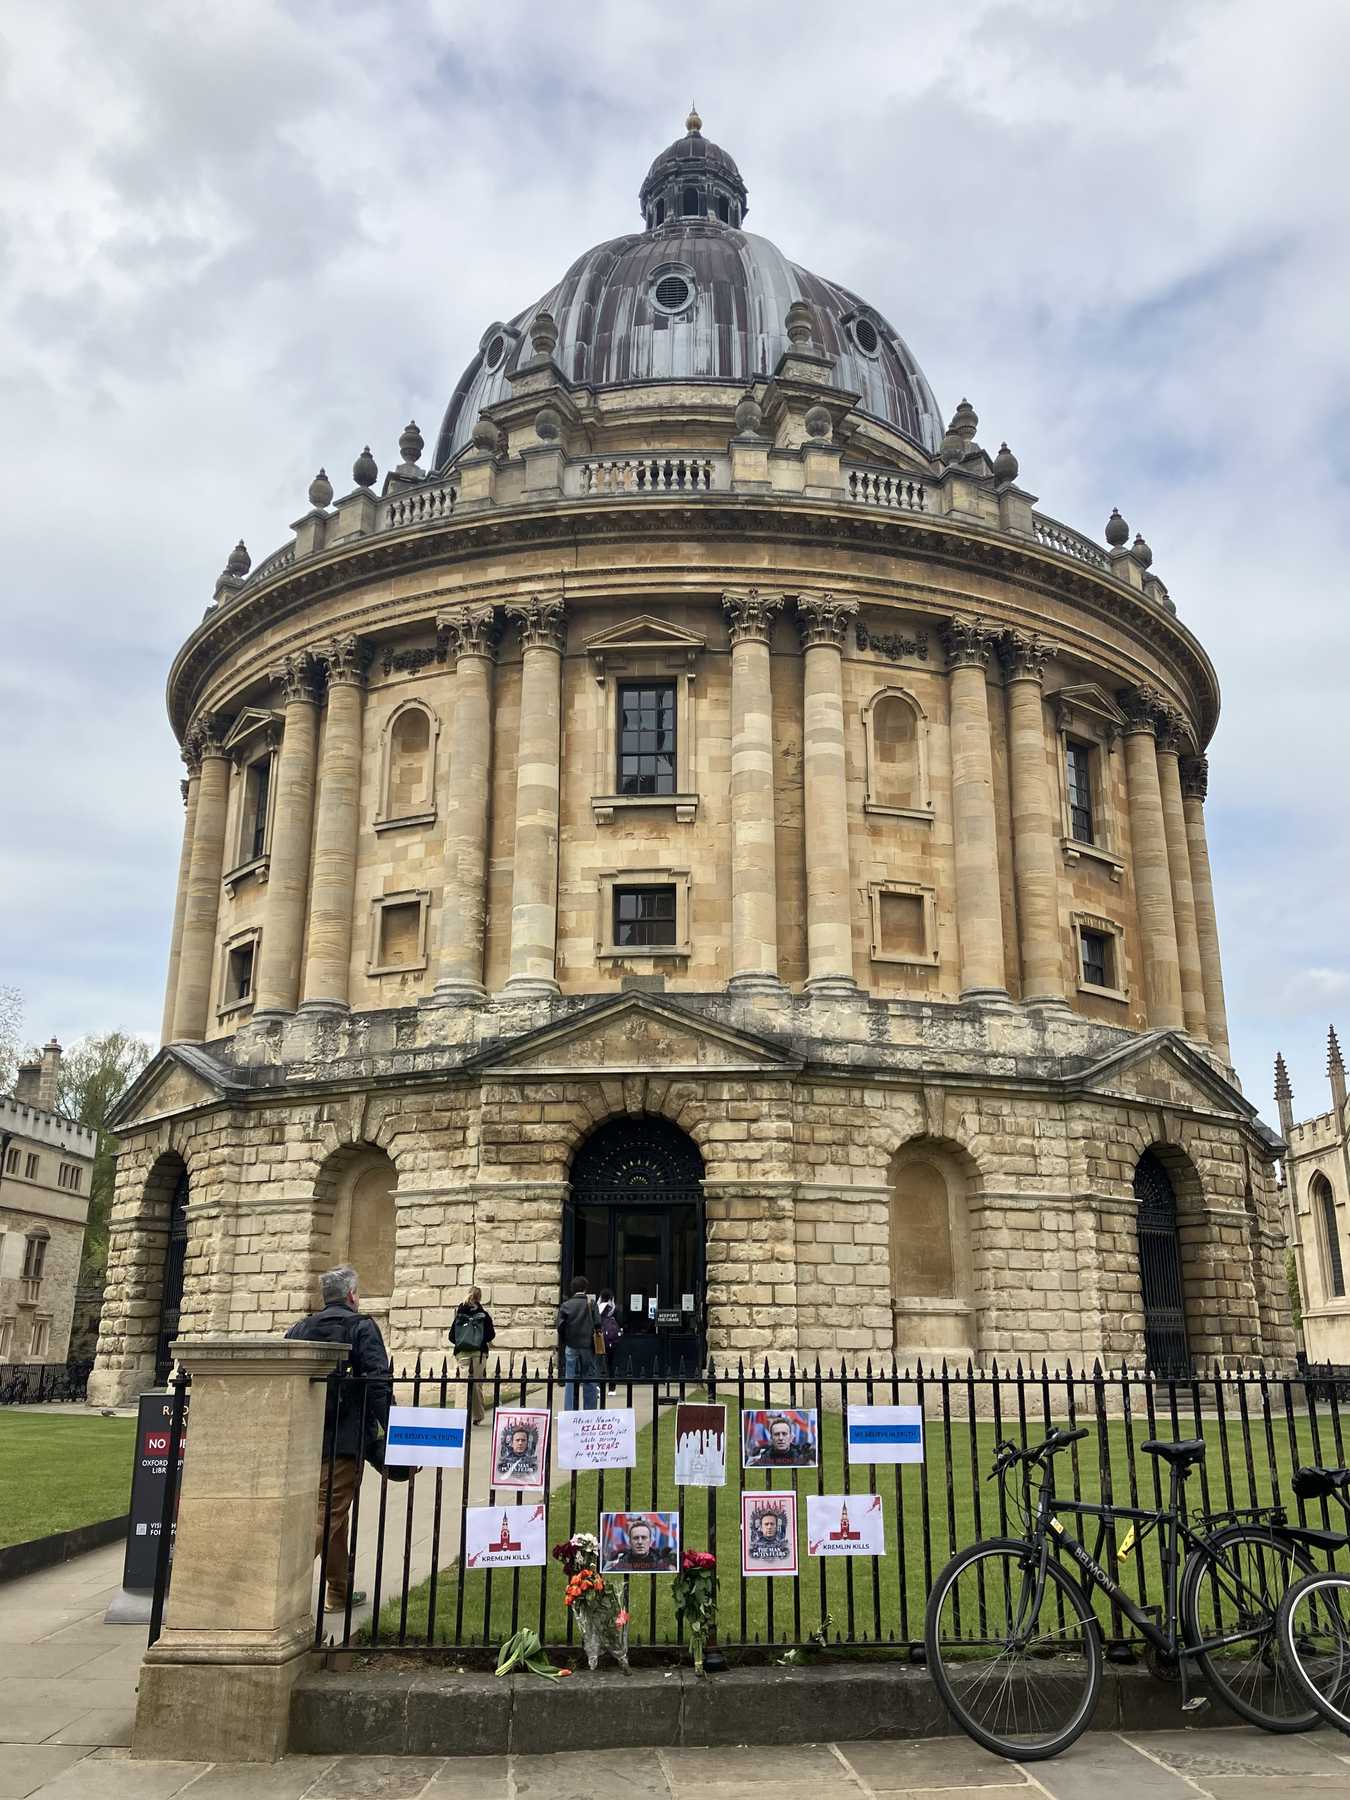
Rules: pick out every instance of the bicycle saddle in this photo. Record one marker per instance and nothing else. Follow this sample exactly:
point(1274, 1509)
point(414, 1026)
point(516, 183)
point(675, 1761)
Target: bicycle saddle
point(1180, 1455)
point(1316, 1484)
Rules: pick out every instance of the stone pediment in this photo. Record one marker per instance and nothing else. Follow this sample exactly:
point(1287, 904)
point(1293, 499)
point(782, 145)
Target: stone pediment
point(637, 1034)
point(1085, 700)
point(175, 1081)
point(1164, 1069)
point(254, 728)
point(643, 636)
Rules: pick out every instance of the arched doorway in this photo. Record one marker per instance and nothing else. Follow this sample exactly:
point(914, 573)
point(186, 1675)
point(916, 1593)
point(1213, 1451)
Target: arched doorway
point(1166, 1349)
point(634, 1223)
point(175, 1262)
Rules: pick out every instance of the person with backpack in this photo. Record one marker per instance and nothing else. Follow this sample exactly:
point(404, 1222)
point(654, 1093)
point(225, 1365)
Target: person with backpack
point(346, 1446)
point(471, 1331)
point(580, 1345)
point(610, 1330)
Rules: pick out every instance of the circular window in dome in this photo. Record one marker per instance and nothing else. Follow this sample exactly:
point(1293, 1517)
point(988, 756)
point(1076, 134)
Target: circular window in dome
point(672, 292)
point(865, 336)
point(495, 351)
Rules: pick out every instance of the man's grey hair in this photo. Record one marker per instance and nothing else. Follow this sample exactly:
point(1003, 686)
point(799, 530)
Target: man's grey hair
point(336, 1284)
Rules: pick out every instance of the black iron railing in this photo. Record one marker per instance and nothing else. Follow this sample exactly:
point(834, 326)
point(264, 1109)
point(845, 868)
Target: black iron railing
point(37, 1384)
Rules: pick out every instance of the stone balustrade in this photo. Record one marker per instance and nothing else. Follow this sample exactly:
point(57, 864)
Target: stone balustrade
point(418, 506)
point(660, 472)
point(1051, 535)
point(886, 487)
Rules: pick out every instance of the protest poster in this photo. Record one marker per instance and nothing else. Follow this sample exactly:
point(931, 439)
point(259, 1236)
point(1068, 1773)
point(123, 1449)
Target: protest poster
point(519, 1446)
point(885, 1434)
point(425, 1437)
point(639, 1543)
point(504, 1537)
point(700, 1445)
point(597, 1440)
point(782, 1437)
point(844, 1525)
point(768, 1533)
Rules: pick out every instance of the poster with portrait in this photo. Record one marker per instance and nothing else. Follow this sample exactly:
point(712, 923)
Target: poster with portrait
point(885, 1434)
point(779, 1437)
point(519, 1446)
point(700, 1444)
point(505, 1537)
point(426, 1437)
point(769, 1533)
point(844, 1525)
point(598, 1440)
point(639, 1543)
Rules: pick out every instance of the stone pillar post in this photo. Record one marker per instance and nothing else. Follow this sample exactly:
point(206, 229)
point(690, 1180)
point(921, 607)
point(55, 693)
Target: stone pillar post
point(1148, 850)
point(542, 624)
point(1194, 786)
point(471, 638)
point(1035, 854)
point(1170, 728)
point(277, 988)
point(191, 788)
point(754, 879)
point(238, 1625)
point(823, 622)
point(979, 913)
point(332, 894)
point(192, 999)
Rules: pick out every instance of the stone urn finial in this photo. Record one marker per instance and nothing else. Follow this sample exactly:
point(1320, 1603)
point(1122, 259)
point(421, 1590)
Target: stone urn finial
point(544, 334)
point(1140, 551)
point(485, 436)
point(411, 442)
point(548, 424)
point(365, 469)
point(321, 491)
point(819, 424)
point(1006, 465)
point(800, 325)
point(749, 415)
point(238, 562)
point(965, 422)
point(1117, 531)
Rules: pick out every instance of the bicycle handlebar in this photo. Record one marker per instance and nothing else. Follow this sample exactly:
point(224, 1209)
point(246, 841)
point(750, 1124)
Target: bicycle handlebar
point(1058, 1440)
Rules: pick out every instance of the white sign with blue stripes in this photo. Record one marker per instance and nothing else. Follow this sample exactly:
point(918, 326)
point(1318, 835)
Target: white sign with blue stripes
point(885, 1434)
point(425, 1437)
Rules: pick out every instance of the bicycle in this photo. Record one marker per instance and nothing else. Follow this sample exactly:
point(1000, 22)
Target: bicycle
point(1015, 1647)
point(1312, 1627)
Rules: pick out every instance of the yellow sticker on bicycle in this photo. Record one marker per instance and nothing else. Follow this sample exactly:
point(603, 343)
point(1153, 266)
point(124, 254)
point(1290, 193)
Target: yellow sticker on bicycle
point(1127, 1544)
point(1056, 1526)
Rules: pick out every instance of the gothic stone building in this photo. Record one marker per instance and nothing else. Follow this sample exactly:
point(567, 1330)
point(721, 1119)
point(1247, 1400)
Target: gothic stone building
point(1317, 1202)
point(706, 830)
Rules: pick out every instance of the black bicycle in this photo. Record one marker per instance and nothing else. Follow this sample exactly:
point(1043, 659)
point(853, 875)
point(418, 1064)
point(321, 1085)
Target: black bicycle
point(1313, 1628)
point(1016, 1648)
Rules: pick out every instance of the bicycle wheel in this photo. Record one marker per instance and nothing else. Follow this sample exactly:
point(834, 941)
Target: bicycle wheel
point(1234, 1590)
point(1019, 1674)
point(1313, 1633)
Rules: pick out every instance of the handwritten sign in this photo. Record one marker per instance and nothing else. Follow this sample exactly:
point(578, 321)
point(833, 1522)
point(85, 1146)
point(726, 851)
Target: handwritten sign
point(504, 1537)
point(597, 1440)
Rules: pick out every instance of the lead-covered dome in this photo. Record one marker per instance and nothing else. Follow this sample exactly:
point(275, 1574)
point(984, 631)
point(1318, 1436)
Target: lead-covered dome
point(696, 298)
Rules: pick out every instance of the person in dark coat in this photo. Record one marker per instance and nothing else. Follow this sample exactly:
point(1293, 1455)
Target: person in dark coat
point(471, 1331)
point(577, 1323)
point(352, 1433)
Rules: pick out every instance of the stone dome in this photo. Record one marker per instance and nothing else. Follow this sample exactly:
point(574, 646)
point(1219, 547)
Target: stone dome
point(696, 298)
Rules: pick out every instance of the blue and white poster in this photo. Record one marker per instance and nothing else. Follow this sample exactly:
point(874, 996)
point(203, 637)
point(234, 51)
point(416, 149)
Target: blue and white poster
point(426, 1437)
point(885, 1434)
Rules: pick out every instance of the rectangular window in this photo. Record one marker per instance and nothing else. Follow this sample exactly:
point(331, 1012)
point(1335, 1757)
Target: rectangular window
point(12, 1161)
point(903, 926)
point(6, 1339)
point(37, 1344)
point(643, 916)
point(400, 935)
point(647, 738)
point(1078, 777)
point(1098, 959)
point(239, 976)
point(34, 1256)
point(69, 1177)
point(257, 787)
point(30, 1167)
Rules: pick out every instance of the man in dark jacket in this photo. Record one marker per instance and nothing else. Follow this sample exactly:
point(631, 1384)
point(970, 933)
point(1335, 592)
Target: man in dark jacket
point(354, 1419)
point(577, 1324)
point(471, 1331)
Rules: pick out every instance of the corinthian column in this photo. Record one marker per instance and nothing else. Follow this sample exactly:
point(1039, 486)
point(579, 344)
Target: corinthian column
point(332, 893)
point(979, 910)
point(470, 636)
point(823, 621)
point(190, 791)
point(1170, 728)
point(1035, 865)
point(754, 882)
point(277, 988)
point(1194, 787)
point(542, 625)
point(1148, 851)
point(192, 1001)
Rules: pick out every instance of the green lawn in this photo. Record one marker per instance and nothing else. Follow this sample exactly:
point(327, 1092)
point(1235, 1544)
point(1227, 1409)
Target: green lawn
point(57, 1472)
point(879, 1600)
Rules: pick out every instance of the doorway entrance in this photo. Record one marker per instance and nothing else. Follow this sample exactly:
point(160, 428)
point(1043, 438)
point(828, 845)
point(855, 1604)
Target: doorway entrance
point(634, 1224)
point(1166, 1349)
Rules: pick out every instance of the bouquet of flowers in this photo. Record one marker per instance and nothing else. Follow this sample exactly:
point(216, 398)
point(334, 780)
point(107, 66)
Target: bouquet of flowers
point(596, 1601)
point(696, 1600)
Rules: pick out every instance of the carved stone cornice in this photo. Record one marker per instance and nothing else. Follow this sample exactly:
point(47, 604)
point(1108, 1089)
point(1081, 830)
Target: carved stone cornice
point(968, 643)
point(298, 677)
point(1024, 655)
point(1195, 777)
point(474, 631)
point(208, 735)
point(345, 661)
point(751, 616)
point(1171, 731)
point(821, 619)
point(1143, 707)
point(541, 622)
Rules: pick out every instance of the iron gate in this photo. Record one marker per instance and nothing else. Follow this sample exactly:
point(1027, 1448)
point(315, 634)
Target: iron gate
point(1165, 1348)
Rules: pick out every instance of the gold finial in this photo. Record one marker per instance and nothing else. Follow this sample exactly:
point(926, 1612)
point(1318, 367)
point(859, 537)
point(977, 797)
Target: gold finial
point(693, 122)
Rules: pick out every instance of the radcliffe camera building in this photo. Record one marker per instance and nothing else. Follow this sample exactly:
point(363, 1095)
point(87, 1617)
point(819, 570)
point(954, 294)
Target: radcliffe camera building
point(702, 827)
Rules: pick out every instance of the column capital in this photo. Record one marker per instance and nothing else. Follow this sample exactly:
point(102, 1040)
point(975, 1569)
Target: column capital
point(183, 787)
point(190, 751)
point(1024, 656)
point(1171, 731)
point(967, 643)
point(298, 678)
point(345, 660)
point(473, 631)
point(751, 615)
point(207, 737)
point(1143, 707)
point(1195, 777)
point(541, 622)
point(821, 619)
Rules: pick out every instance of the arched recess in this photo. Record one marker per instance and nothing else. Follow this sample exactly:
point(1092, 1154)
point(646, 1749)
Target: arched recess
point(408, 766)
point(1166, 1188)
point(165, 1226)
point(932, 1273)
point(356, 1185)
point(1323, 1197)
point(895, 734)
point(634, 1222)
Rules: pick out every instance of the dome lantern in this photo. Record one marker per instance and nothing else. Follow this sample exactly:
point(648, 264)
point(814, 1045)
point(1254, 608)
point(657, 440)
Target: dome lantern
point(693, 179)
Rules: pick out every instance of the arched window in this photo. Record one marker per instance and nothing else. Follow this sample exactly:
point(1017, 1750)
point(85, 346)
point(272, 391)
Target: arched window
point(408, 789)
point(896, 733)
point(689, 206)
point(931, 1277)
point(660, 212)
point(724, 209)
point(1324, 1199)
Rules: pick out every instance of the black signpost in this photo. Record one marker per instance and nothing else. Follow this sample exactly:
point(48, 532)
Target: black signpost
point(149, 1477)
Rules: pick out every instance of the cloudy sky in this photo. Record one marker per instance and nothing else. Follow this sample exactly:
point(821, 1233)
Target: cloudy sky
point(238, 242)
